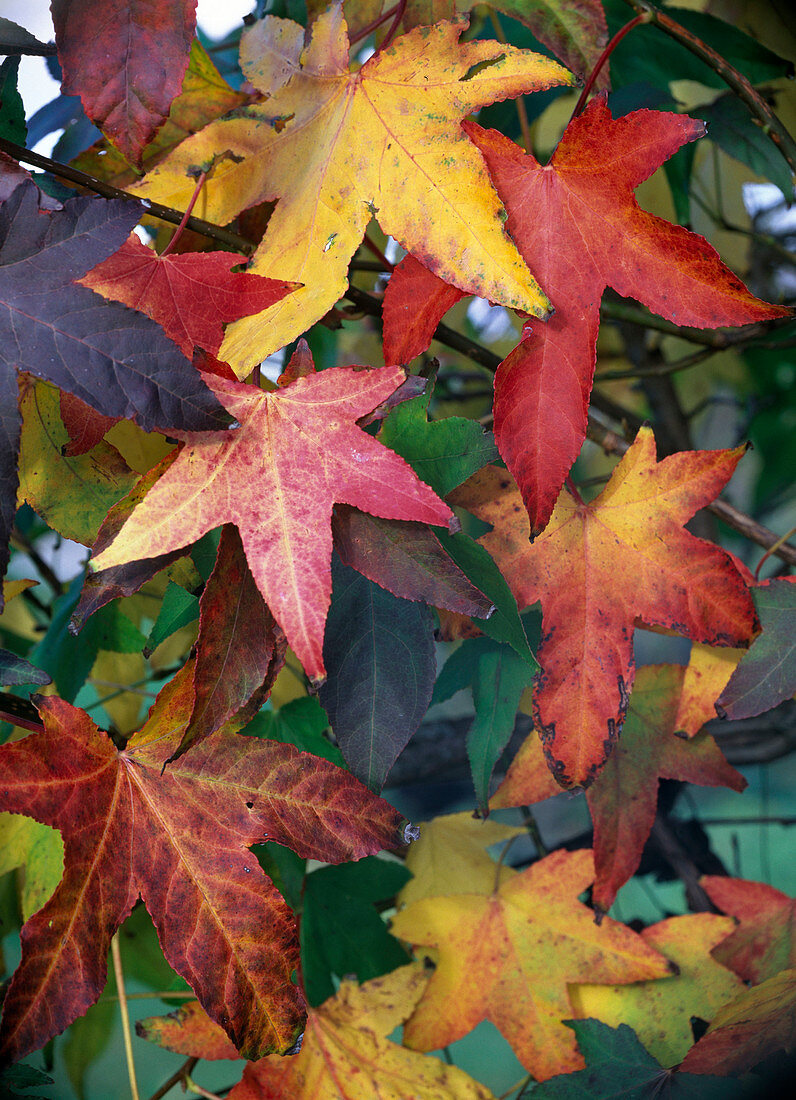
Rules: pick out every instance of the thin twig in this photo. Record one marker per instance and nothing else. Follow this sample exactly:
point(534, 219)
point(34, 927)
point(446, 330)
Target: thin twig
point(40, 49)
point(713, 338)
point(153, 209)
point(182, 1074)
point(128, 1042)
point(728, 73)
point(192, 1086)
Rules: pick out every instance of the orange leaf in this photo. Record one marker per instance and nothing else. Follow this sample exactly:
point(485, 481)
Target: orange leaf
point(597, 568)
point(759, 1022)
point(660, 1012)
point(190, 295)
point(179, 837)
point(296, 453)
point(344, 1055)
point(764, 943)
point(337, 147)
point(624, 797)
point(509, 958)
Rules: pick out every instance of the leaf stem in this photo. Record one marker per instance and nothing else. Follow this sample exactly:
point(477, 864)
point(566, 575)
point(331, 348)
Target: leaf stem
point(200, 181)
point(729, 74)
point(532, 825)
point(128, 1043)
point(400, 8)
point(642, 17)
point(519, 102)
point(374, 249)
point(373, 25)
point(181, 1075)
point(773, 549)
point(192, 1086)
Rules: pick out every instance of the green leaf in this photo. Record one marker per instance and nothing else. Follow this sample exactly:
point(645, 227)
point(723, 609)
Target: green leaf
point(177, 610)
point(732, 128)
point(341, 932)
point(504, 624)
point(497, 677)
point(12, 110)
point(301, 722)
point(443, 453)
point(648, 54)
point(619, 1068)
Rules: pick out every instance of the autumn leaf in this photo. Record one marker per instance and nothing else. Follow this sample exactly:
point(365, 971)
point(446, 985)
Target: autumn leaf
point(204, 95)
point(345, 1054)
point(72, 494)
point(509, 958)
point(623, 798)
point(660, 1012)
point(115, 359)
point(580, 229)
point(189, 294)
point(84, 425)
point(706, 675)
point(335, 147)
point(764, 942)
point(185, 1030)
point(239, 651)
point(758, 1022)
point(179, 838)
point(106, 58)
point(405, 558)
point(450, 857)
point(633, 528)
point(767, 673)
point(296, 453)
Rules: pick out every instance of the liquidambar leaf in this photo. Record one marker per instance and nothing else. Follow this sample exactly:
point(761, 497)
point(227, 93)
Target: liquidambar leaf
point(765, 941)
point(108, 62)
point(660, 1012)
point(624, 796)
point(190, 294)
point(384, 141)
point(758, 1022)
point(510, 956)
point(115, 359)
point(634, 528)
point(297, 452)
point(767, 673)
point(179, 838)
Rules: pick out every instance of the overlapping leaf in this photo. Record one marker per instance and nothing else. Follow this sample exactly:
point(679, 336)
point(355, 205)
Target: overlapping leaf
point(578, 225)
point(276, 477)
point(336, 147)
point(660, 1012)
point(758, 1022)
point(623, 799)
point(107, 59)
point(345, 1054)
point(190, 294)
point(765, 942)
point(115, 359)
point(767, 673)
point(634, 529)
point(179, 837)
point(509, 958)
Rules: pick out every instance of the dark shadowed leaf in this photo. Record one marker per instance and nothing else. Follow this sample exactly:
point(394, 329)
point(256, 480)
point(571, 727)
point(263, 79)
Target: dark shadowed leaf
point(379, 656)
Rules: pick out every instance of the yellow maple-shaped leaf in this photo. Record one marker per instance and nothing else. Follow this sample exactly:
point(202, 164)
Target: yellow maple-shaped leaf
point(336, 147)
point(660, 1012)
point(706, 676)
point(510, 957)
point(450, 857)
point(344, 1055)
